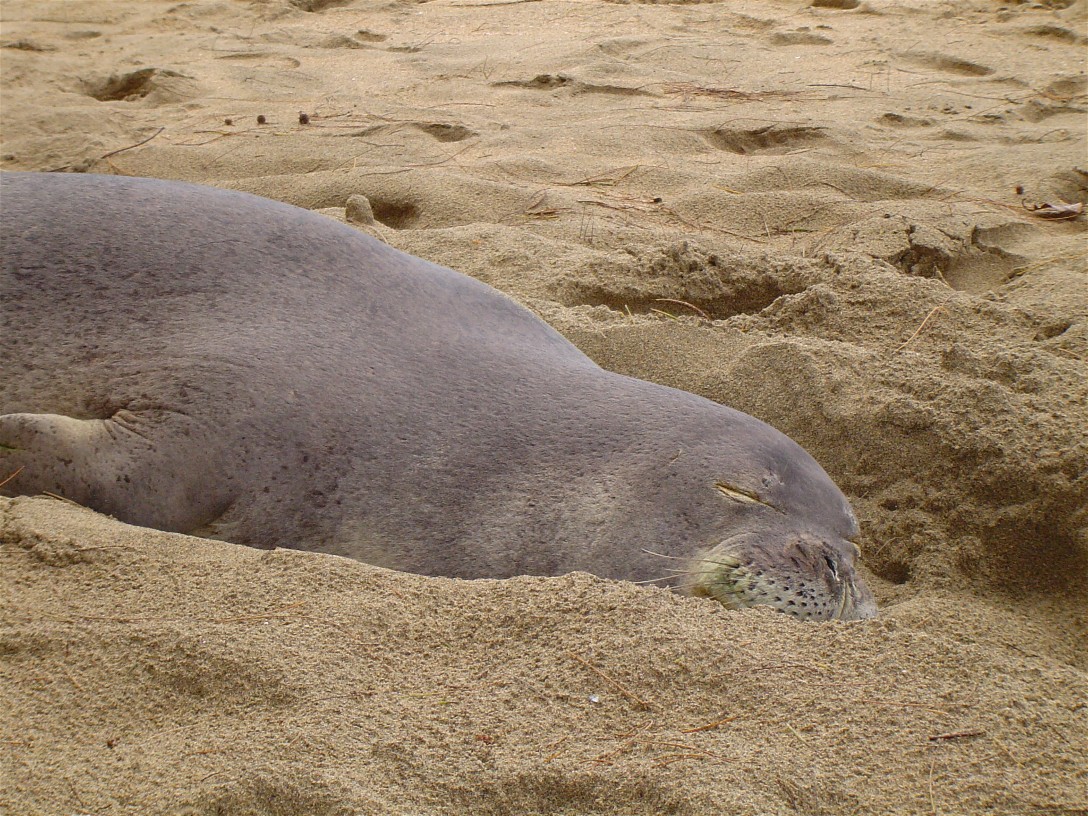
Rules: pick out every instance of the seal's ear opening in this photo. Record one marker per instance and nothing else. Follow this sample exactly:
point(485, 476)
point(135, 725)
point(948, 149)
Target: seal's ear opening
point(841, 558)
point(831, 566)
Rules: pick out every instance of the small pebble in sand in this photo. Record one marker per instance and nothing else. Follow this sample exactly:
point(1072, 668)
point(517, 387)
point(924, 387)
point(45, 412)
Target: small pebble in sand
point(303, 118)
point(358, 210)
point(261, 120)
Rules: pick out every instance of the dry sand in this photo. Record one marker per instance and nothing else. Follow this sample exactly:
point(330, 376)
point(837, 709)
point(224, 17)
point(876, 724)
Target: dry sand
point(815, 214)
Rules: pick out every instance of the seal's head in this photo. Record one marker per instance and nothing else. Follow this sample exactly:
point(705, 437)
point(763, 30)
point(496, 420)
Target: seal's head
point(774, 530)
point(806, 575)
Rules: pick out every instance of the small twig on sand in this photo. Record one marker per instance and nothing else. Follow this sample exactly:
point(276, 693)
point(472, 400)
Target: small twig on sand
point(123, 149)
point(710, 725)
point(499, 3)
point(690, 752)
point(58, 497)
point(615, 684)
point(669, 759)
point(921, 326)
point(977, 732)
point(605, 179)
point(691, 306)
point(282, 612)
point(557, 745)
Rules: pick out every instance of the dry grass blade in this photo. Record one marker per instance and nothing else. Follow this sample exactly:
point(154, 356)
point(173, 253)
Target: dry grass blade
point(64, 499)
point(977, 732)
point(918, 331)
point(607, 179)
point(663, 313)
point(669, 759)
point(129, 147)
point(691, 89)
point(614, 683)
point(711, 725)
point(691, 306)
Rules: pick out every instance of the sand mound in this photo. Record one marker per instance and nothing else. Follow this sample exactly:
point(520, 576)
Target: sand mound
point(158, 673)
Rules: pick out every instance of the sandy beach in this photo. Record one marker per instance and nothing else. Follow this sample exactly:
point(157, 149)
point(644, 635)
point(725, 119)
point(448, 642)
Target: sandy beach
point(856, 221)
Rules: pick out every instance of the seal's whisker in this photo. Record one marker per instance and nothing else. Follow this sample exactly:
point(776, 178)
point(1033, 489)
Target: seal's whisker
point(681, 573)
point(655, 580)
point(662, 555)
point(730, 562)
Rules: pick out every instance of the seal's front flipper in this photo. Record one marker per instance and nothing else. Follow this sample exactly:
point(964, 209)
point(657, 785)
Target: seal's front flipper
point(153, 468)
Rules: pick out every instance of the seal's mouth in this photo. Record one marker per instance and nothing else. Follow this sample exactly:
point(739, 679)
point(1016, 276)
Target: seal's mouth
point(811, 578)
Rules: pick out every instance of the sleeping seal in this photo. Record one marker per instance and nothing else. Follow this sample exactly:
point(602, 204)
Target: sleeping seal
point(210, 362)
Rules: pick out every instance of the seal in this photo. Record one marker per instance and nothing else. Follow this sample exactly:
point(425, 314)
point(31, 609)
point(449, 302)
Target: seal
point(205, 361)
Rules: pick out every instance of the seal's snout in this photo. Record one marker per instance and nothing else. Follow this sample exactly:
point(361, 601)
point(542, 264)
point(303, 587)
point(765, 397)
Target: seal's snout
point(811, 578)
